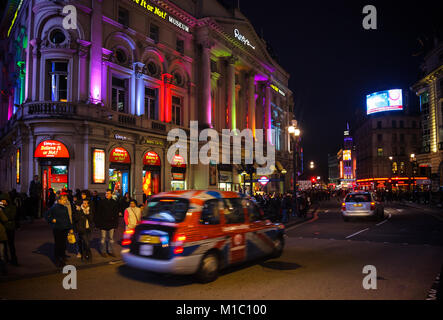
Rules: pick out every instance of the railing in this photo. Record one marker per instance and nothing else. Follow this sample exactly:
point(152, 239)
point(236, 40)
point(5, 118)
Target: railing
point(51, 108)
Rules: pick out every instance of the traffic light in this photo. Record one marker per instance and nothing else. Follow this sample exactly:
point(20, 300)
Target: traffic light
point(313, 180)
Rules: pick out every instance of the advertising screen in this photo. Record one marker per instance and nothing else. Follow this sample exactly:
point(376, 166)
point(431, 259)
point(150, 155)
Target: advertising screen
point(389, 100)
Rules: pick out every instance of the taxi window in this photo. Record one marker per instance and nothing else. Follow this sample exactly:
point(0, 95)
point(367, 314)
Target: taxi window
point(210, 213)
point(254, 212)
point(233, 211)
point(163, 209)
point(364, 197)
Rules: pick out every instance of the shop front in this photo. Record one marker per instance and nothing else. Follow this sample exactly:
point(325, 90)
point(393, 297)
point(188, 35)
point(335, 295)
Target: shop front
point(119, 171)
point(178, 172)
point(151, 173)
point(53, 161)
point(225, 177)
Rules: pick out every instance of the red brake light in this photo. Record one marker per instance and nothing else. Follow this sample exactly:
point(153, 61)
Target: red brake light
point(126, 242)
point(180, 238)
point(343, 206)
point(372, 205)
point(129, 231)
point(178, 250)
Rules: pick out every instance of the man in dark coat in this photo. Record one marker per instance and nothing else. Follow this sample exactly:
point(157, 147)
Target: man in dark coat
point(58, 217)
point(10, 211)
point(106, 219)
point(35, 193)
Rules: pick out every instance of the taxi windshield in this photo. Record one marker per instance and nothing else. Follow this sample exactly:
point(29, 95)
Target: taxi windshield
point(365, 197)
point(166, 209)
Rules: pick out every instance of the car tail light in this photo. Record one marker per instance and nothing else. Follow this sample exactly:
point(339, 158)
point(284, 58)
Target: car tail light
point(372, 205)
point(343, 206)
point(179, 239)
point(127, 235)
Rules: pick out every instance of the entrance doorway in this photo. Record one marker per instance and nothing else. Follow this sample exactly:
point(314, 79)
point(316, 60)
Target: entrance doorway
point(119, 178)
point(54, 175)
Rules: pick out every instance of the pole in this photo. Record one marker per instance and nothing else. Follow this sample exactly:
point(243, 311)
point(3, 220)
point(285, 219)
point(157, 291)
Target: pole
point(295, 149)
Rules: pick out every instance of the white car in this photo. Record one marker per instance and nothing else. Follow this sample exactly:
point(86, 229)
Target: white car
point(361, 204)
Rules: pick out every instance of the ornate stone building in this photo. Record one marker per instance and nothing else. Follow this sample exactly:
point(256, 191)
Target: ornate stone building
point(91, 107)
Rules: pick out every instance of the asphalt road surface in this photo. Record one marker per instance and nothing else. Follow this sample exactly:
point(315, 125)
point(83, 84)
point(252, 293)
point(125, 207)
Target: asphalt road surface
point(323, 259)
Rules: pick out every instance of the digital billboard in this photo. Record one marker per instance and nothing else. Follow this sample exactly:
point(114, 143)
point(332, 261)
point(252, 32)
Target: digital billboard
point(389, 100)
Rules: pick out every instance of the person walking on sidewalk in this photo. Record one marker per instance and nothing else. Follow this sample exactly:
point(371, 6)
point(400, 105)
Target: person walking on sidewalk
point(58, 217)
point(3, 240)
point(133, 215)
point(71, 210)
point(35, 193)
point(107, 214)
point(84, 217)
point(10, 211)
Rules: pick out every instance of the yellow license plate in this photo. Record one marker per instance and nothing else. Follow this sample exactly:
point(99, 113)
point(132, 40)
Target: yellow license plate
point(358, 205)
point(149, 239)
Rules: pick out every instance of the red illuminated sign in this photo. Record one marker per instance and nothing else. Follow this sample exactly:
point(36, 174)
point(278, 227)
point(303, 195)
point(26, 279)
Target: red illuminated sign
point(178, 161)
point(151, 159)
point(119, 155)
point(51, 149)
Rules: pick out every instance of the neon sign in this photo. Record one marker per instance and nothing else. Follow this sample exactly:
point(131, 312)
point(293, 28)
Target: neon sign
point(278, 90)
point(120, 155)
point(162, 14)
point(151, 159)
point(242, 38)
point(18, 166)
point(347, 155)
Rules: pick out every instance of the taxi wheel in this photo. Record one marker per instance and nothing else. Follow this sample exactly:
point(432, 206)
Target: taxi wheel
point(279, 244)
point(209, 267)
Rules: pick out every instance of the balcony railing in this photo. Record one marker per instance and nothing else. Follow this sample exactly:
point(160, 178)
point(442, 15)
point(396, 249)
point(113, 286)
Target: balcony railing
point(90, 112)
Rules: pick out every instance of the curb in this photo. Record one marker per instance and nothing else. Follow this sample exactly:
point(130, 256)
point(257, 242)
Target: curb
point(6, 279)
point(310, 212)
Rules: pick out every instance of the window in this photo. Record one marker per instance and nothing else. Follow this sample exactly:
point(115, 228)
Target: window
point(402, 124)
point(394, 137)
point(178, 79)
point(254, 212)
point(233, 211)
point(211, 213)
point(168, 210)
point(394, 124)
point(379, 137)
point(151, 105)
point(180, 46)
point(120, 55)
point(58, 79)
point(57, 36)
point(402, 151)
point(119, 97)
point(380, 152)
point(152, 69)
point(154, 32)
point(402, 137)
point(414, 124)
point(378, 124)
point(177, 111)
point(123, 16)
point(394, 151)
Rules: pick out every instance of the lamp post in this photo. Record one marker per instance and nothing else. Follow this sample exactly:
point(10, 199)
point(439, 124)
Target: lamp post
point(413, 161)
point(295, 133)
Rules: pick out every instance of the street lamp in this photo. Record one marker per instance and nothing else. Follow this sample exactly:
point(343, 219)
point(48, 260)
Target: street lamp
point(311, 165)
point(413, 162)
point(295, 133)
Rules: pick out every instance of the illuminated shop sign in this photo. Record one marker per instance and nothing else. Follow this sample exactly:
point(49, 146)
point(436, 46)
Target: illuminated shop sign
point(263, 181)
point(98, 166)
point(18, 166)
point(242, 39)
point(347, 155)
point(151, 159)
point(178, 161)
point(278, 90)
point(119, 155)
point(389, 100)
point(162, 14)
point(51, 149)
point(155, 142)
point(120, 137)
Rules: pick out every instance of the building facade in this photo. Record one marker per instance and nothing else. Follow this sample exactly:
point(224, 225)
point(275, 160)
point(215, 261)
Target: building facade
point(430, 91)
point(91, 107)
point(384, 145)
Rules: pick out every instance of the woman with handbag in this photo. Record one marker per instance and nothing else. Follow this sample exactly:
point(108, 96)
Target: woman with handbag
point(132, 215)
point(84, 217)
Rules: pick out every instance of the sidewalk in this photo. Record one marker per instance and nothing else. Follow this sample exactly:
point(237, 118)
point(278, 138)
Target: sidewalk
point(433, 210)
point(34, 243)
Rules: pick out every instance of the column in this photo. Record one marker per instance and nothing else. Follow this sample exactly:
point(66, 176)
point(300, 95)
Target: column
point(95, 61)
point(268, 116)
point(206, 107)
point(139, 89)
point(166, 98)
point(251, 102)
point(83, 71)
point(35, 72)
point(231, 93)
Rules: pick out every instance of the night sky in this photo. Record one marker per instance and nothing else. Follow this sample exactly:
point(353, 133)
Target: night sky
point(334, 63)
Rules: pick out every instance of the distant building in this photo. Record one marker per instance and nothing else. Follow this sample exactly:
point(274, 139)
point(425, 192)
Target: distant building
point(333, 169)
point(430, 91)
point(384, 144)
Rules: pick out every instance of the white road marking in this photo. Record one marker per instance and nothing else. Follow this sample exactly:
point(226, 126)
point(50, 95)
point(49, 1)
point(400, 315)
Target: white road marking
point(379, 224)
point(354, 234)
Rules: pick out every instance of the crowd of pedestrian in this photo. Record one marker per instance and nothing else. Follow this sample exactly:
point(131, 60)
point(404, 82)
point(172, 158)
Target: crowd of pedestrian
point(71, 215)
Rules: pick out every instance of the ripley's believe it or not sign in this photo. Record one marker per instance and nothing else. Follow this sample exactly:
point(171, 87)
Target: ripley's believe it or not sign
point(119, 155)
point(51, 149)
point(162, 14)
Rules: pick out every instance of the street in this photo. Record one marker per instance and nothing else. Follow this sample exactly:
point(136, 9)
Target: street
point(323, 259)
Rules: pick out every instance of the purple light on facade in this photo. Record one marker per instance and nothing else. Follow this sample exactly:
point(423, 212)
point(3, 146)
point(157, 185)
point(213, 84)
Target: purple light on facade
point(259, 77)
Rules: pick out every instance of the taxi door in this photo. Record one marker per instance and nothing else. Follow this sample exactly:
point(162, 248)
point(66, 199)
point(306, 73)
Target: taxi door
point(258, 242)
point(235, 227)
